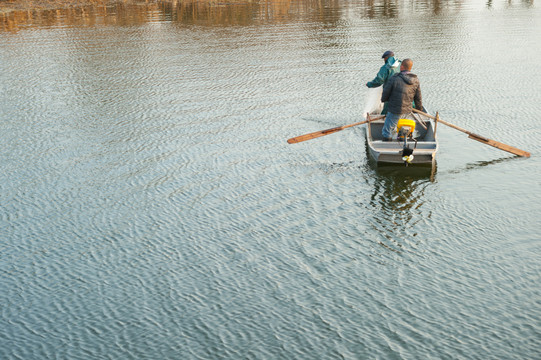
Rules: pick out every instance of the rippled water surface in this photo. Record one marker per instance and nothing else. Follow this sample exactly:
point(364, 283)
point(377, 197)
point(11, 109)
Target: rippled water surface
point(151, 208)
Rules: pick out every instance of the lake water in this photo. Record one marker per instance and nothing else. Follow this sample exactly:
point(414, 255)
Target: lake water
point(151, 208)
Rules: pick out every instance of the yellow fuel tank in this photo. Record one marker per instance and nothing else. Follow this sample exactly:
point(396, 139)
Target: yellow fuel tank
point(406, 123)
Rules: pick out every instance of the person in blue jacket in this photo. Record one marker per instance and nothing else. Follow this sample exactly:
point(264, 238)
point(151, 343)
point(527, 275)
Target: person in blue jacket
point(390, 68)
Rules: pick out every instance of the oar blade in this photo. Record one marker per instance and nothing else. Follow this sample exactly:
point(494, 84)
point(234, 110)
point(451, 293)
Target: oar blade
point(499, 145)
point(320, 133)
point(481, 139)
point(313, 135)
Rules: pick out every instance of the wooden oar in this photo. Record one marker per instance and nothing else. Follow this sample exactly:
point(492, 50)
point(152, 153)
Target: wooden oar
point(420, 121)
point(317, 134)
point(482, 139)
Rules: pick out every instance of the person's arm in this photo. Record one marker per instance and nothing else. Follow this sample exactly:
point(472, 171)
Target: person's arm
point(418, 99)
point(379, 79)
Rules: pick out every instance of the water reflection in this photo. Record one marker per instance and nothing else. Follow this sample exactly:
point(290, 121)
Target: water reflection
point(481, 164)
point(16, 16)
point(526, 3)
point(399, 188)
point(191, 12)
point(397, 203)
point(89, 15)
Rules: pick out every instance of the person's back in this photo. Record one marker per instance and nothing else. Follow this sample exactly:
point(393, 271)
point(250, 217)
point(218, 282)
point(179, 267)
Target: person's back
point(399, 93)
point(401, 90)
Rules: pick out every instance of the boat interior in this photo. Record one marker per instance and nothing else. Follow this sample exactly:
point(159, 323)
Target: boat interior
point(424, 132)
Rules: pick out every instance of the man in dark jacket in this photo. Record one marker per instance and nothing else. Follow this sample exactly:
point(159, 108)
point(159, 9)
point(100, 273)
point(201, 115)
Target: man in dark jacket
point(390, 67)
point(400, 91)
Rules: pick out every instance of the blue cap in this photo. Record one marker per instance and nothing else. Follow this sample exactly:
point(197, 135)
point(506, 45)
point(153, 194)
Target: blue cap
point(387, 53)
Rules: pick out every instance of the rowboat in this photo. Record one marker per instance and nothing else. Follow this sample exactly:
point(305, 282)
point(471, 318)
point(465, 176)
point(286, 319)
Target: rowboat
point(415, 141)
point(411, 144)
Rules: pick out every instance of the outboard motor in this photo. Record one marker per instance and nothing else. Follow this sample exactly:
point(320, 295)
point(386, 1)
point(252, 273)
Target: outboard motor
point(405, 128)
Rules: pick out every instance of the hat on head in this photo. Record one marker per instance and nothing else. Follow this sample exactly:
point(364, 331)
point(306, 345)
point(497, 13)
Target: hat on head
point(387, 53)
